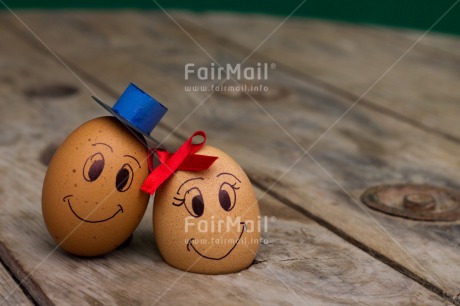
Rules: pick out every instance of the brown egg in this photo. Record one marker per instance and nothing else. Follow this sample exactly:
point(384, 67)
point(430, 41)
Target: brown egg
point(208, 221)
point(91, 197)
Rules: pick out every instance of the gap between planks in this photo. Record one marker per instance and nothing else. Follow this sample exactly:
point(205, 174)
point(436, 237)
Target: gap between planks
point(9, 292)
point(22, 279)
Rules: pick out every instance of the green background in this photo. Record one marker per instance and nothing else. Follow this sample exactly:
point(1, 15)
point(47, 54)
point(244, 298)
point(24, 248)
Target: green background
point(421, 14)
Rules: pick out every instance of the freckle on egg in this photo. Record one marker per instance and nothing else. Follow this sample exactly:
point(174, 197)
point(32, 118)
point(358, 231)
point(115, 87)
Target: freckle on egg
point(75, 185)
point(89, 139)
point(74, 170)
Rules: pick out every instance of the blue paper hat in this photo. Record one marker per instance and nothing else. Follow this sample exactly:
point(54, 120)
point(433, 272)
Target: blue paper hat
point(137, 110)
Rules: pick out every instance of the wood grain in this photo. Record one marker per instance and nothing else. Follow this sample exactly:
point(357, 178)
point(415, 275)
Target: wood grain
point(421, 88)
point(448, 44)
point(300, 263)
point(366, 148)
point(10, 294)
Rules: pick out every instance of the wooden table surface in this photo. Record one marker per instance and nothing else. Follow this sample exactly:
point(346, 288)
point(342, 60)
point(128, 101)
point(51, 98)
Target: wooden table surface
point(396, 93)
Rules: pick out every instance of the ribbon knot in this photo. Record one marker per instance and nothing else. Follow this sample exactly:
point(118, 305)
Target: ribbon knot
point(183, 159)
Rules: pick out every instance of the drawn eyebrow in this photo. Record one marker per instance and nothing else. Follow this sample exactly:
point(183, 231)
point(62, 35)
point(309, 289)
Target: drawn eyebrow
point(101, 143)
point(134, 159)
point(196, 178)
point(226, 173)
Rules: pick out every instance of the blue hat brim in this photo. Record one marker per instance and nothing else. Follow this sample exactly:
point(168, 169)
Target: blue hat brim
point(127, 123)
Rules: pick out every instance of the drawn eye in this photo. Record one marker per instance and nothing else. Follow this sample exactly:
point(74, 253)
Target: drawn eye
point(93, 167)
point(193, 202)
point(227, 196)
point(198, 205)
point(124, 178)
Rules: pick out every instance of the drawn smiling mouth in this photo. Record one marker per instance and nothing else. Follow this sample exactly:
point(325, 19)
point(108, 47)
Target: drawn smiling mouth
point(190, 244)
point(66, 199)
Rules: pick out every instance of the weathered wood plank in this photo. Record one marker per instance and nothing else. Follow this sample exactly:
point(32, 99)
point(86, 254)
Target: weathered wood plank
point(366, 148)
point(301, 263)
point(10, 294)
point(421, 88)
point(449, 44)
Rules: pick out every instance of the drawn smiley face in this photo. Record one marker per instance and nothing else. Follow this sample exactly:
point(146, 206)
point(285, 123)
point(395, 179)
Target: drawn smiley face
point(91, 196)
point(92, 171)
point(208, 221)
point(190, 196)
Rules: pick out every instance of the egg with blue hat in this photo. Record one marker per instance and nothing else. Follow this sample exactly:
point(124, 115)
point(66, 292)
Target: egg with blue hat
point(91, 197)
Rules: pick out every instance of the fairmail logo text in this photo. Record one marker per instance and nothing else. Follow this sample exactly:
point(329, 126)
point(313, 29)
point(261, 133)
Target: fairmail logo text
point(229, 72)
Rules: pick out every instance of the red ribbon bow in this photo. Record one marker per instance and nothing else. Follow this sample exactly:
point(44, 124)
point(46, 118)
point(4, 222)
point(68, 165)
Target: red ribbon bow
point(184, 159)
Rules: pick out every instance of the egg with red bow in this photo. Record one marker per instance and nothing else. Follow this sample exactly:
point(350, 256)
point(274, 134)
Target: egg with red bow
point(208, 221)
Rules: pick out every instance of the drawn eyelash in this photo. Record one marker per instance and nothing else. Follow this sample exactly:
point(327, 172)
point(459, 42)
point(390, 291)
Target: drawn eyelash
point(192, 200)
point(181, 201)
point(234, 186)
